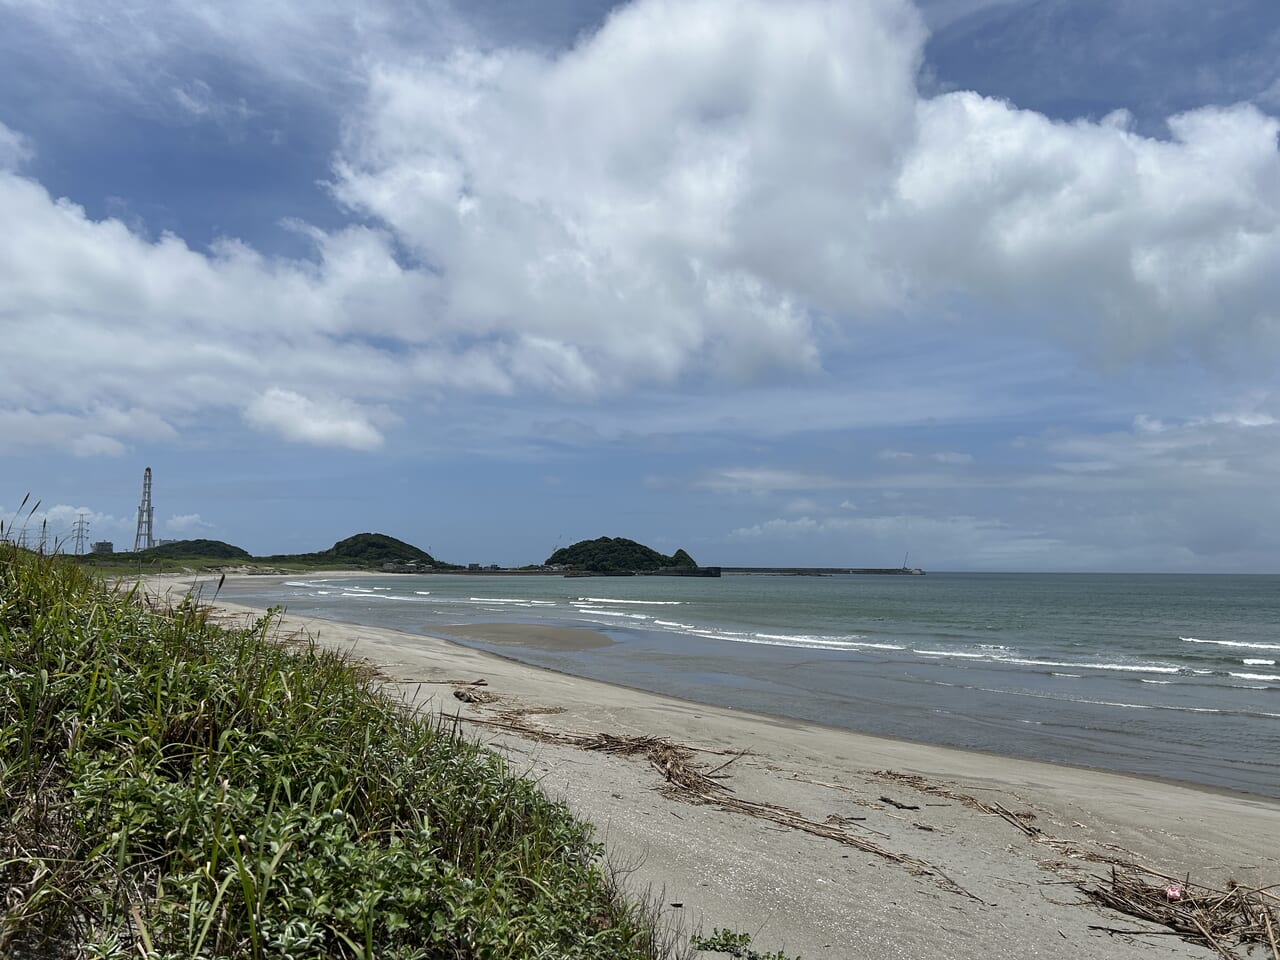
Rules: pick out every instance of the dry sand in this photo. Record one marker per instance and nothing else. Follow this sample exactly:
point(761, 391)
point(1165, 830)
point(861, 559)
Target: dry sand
point(927, 872)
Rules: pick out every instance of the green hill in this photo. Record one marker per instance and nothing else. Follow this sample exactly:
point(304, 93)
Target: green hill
point(189, 549)
point(363, 550)
point(610, 554)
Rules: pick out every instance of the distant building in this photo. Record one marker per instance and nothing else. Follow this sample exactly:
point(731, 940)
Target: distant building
point(412, 566)
point(102, 546)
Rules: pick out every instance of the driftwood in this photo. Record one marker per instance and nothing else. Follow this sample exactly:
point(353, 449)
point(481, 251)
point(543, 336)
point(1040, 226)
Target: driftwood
point(900, 806)
point(471, 695)
point(688, 782)
point(1219, 919)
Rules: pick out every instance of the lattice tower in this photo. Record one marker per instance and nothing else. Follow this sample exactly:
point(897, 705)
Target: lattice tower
point(144, 540)
point(81, 532)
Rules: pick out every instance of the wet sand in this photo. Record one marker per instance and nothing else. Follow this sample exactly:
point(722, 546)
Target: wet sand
point(542, 636)
point(927, 869)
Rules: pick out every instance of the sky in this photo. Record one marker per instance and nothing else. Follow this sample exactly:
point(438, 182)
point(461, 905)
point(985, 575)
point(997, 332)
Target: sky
point(992, 283)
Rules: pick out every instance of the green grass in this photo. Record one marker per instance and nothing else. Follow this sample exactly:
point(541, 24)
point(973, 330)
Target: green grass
point(170, 788)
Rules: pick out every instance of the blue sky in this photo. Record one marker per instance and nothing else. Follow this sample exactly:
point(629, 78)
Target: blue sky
point(995, 282)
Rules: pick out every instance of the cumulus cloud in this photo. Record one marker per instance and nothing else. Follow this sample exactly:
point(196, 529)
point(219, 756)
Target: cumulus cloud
point(330, 423)
point(58, 524)
point(699, 192)
point(186, 524)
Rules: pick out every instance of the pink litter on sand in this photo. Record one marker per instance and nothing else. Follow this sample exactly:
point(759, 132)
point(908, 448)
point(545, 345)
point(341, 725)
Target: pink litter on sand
point(1173, 892)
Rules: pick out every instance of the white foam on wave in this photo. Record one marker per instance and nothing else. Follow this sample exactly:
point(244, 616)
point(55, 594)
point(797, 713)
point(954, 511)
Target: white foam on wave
point(1023, 662)
point(1233, 643)
point(803, 640)
point(1160, 682)
point(620, 613)
point(1073, 676)
point(385, 596)
point(1249, 662)
point(656, 603)
point(1255, 676)
point(1121, 667)
point(423, 593)
point(1101, 703)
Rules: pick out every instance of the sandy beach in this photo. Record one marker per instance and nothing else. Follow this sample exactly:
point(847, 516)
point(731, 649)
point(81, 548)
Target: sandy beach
point(817, 841)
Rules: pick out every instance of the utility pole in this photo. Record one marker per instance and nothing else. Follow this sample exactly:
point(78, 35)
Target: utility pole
point(81, 532)
point(143, 540)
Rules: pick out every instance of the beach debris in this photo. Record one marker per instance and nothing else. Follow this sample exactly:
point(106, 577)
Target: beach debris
point(900, 806)
point(468, 695)
point(687, 781)
point(479, 682)
point(1222, 920)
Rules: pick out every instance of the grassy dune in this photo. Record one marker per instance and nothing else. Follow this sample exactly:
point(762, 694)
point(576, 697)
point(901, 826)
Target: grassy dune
point(170, 788)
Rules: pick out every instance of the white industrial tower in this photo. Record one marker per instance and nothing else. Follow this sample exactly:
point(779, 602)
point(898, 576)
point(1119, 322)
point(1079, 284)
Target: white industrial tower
point(144, 539)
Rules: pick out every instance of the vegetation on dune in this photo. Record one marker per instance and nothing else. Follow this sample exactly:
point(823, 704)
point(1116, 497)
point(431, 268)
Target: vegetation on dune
point(208, 549)
point(607, 554)
point(171, 788)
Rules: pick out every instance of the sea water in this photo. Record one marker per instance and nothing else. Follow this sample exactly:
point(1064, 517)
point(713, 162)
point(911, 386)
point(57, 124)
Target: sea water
point(1168, 675)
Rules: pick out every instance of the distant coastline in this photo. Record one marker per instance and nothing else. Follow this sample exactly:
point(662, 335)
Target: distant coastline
point(829, 571)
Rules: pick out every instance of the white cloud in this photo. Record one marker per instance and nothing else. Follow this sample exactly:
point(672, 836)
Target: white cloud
point(197, 99)
point(58, 524)
point(761, 480)
point(92, 430)
point(331, 423)
point(701, 192)
point(185, 524)
point(15, 149)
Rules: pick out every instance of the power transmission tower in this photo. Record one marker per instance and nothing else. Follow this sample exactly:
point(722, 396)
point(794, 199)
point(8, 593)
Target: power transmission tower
point(81, 531)
point(143, 540)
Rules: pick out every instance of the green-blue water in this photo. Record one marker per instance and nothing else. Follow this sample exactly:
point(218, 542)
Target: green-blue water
point(1169, 675)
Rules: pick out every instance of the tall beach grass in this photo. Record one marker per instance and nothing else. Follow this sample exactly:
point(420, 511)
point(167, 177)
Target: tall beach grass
point(171, 788)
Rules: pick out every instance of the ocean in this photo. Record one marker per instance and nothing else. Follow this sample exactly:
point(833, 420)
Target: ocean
point(1174, 676)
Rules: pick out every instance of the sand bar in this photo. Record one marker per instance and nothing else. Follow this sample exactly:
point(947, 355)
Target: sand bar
point(987, 889)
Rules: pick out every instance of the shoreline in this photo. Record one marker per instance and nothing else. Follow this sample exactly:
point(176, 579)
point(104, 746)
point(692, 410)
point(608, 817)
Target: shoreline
point(506, 634)
point(792, 890)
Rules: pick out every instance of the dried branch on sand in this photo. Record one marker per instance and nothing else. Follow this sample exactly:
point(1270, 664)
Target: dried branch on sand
point(1219, 919)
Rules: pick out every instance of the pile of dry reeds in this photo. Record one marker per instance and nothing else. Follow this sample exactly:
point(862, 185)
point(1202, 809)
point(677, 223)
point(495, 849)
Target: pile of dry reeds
point(1219, 919)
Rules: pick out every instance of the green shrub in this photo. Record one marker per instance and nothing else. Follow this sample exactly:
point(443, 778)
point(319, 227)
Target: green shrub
point(193, 791)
